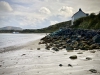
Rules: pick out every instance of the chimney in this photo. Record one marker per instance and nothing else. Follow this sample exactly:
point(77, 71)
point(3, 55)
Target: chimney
point(80, 9)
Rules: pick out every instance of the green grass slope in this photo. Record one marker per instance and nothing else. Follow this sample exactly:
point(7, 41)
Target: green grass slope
point(90, 22)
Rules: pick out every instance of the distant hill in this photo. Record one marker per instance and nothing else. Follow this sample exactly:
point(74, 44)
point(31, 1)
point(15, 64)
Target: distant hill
point(10, 28)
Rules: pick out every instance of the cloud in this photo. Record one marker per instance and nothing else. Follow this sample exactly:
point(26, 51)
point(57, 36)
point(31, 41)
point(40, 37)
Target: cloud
point(5, 7)
point(42, 13)
point(66, 11)
point(44, 10)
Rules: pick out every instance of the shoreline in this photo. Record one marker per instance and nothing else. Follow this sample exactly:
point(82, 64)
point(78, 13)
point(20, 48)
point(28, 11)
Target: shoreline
point(19, 46)
point(30, 61)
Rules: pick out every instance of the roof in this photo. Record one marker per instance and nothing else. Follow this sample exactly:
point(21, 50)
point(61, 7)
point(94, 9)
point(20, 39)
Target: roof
point(78, 11)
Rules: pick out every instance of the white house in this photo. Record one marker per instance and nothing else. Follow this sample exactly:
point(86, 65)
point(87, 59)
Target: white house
point(77, 15)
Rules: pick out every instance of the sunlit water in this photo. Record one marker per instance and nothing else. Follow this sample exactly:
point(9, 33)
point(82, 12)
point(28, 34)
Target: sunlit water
point(7, 40)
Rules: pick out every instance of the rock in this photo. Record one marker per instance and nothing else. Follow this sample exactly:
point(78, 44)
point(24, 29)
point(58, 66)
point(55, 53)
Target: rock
point(39, 56)
point(73, 57)
point(92, 51)
point(23, 54)
point(47, 47)
point(93, 46)
point(72, 39)
point(38, 48)
point(60, 65)
point(64, 46)
point(0, 65)
point(40, 43)
point(69, 48)
point(86, 47)
point(93, 70)
point(96, 38)
point(69, 65)
point(55, 49)
point(88, 58)
point(80, 53)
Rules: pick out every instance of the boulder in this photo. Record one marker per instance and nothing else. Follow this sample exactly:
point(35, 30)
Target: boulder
point(69, 48)
point(73, 57)
point(96, 38)
point(93, 70)
point(93, 46)
point(38, 48)
point(55, 49)
point(88, 58)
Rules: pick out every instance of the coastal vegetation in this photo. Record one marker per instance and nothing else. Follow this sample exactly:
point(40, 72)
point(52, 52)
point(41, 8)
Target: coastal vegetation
point(90, 22)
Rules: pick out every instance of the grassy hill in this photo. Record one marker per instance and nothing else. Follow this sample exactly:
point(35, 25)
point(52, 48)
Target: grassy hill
point(90, 22)
point(49, 29)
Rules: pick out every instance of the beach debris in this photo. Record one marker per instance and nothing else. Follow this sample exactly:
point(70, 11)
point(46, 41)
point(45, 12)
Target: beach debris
point(73, 57)
point(23, 54)
point(38, 48)
point(93, 70)
point(60, 65)
point(69, 65)
point(88, 58)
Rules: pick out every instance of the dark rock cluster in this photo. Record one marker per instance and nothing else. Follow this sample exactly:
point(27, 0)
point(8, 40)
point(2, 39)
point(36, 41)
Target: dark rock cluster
point(72, 39)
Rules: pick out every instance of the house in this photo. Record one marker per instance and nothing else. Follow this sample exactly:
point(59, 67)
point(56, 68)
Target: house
point(77, 15)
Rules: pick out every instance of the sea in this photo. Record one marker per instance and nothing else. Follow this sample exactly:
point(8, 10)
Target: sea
point(10, 39)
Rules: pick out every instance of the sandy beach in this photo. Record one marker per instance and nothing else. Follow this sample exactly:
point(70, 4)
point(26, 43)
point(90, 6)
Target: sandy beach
point(27, 60)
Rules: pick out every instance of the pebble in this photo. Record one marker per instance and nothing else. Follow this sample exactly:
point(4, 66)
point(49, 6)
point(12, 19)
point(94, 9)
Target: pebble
point(60, 65)
point(93, 70)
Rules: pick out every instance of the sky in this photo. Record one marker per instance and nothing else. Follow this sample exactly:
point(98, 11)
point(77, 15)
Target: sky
point(36, 14)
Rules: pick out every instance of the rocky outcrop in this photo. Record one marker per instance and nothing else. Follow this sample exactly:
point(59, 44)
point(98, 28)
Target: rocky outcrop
point(72, 39)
